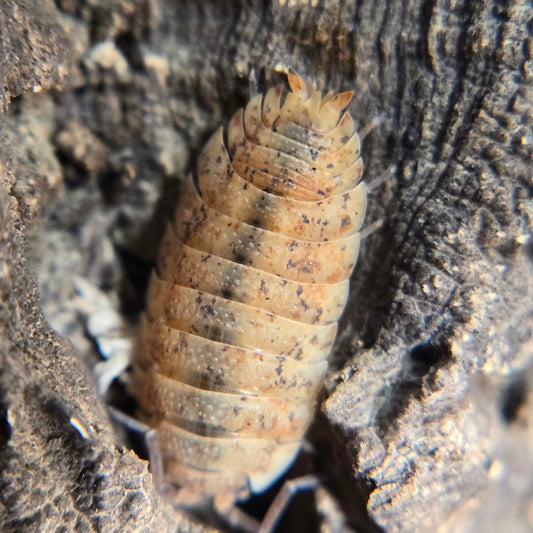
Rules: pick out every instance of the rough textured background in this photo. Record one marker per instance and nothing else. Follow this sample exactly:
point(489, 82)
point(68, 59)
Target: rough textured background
point(428, 408)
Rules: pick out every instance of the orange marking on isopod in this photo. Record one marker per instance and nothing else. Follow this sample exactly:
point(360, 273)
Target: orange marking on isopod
point(332, 218)
point(343, 175)
point(251, 280)
point(313, 303)
point(206, 229)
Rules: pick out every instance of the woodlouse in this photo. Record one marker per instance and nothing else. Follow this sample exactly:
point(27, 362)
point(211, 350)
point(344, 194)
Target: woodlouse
point(251, 280)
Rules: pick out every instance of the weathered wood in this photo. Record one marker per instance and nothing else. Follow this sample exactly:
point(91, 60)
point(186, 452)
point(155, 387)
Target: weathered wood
point(429, 379)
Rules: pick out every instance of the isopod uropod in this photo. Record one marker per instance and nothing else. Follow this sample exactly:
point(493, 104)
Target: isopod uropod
point(252, 277)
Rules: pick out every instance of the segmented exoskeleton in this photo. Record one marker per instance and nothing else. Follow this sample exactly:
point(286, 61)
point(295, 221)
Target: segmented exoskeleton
point(251, 280)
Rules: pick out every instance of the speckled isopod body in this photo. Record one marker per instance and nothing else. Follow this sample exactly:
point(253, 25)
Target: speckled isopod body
point(251, 280)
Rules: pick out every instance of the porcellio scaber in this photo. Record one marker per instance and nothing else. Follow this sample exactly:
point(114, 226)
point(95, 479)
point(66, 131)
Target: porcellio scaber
point(252, 278)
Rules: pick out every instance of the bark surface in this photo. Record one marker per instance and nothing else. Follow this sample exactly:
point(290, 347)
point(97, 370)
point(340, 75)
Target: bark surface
point(104, 106)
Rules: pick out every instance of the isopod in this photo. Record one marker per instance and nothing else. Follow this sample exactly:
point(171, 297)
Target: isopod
point(251, 280)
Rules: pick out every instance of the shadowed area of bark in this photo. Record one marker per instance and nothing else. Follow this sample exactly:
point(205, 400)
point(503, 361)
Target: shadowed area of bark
point(105, 106)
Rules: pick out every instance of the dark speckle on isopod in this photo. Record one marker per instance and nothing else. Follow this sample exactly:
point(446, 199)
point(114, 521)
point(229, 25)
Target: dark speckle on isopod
point(243, 309)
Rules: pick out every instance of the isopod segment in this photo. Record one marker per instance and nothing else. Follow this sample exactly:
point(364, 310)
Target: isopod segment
point(252, 278)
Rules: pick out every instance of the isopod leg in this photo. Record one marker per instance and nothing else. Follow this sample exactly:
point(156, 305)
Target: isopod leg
point(235, 517)
point(376, 182)
point(387, 176)
point(371, 229)
point(370, 126)
point(155, 457)
point(283, 499)
point(128, 421)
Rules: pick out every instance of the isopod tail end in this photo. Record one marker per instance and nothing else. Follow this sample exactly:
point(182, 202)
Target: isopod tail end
point(331, 107)
point(296, 82)
point(341, 100)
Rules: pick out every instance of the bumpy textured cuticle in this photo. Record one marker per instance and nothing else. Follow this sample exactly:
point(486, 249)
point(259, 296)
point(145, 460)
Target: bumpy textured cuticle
point(252, 278)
